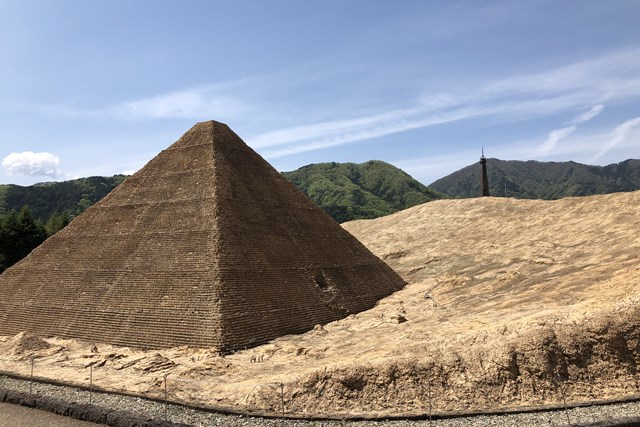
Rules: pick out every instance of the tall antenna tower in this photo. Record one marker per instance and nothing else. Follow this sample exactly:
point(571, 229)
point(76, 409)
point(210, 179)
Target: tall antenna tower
point(485, 180)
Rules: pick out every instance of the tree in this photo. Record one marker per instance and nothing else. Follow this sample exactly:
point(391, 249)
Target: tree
point(57, 221)
point(4, 239)
point(83, 204)
point(9, 239)
point(20, 233)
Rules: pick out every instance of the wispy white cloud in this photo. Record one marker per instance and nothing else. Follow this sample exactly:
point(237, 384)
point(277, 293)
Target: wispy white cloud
point(612, 78)
point(619, 134)
point(339, 135)
point(32, 164)
point(199, 103)
point(330, 134)
point(554, 137)
point(328, 129)
point(609, 76)
point(558, 134)
point(577, 147)
point(588, 115)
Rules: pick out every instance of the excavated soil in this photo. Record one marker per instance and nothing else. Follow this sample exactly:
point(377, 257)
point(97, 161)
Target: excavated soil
point(509, 304)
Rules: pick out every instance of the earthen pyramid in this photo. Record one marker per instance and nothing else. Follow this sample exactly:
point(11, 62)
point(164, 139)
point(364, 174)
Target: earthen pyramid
point(206, 246)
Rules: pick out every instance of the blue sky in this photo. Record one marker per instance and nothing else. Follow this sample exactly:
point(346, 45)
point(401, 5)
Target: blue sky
point(100, 87)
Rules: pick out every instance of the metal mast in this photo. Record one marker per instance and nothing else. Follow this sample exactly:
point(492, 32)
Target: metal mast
point(485, 180)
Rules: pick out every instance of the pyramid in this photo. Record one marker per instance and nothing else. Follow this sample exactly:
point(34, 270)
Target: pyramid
point(206, 246)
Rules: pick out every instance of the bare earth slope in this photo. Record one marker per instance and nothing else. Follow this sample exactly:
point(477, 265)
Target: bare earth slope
point(510, 303)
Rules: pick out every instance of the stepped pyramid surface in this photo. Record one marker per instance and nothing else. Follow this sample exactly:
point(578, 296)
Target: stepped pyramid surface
point(206, 246)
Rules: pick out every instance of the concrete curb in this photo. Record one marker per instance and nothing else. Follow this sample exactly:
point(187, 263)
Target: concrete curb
point(81, 411)
point(627, 422)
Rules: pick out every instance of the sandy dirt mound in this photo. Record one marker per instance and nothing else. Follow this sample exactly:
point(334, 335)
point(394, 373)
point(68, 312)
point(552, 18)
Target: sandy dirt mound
point(23, 344)
point(509, 303)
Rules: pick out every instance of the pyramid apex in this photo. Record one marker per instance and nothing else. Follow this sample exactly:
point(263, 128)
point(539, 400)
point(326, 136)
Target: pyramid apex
point(206, 132)
point(207, 126)
point(210, 123)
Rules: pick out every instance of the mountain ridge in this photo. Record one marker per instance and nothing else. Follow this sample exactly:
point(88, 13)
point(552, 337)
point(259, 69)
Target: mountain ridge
point(533, 179)
point(347, 191)
point(46, 198)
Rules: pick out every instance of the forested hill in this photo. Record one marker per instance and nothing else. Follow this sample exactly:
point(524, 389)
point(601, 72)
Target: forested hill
point(355, 191)
point(541, 180)
point(70, 197)
point(345, 190)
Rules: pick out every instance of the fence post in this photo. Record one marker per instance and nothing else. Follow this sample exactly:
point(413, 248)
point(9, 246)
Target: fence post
point(430, 404)
point(564, 398)
point(282, 400)
point(90, 382)
point(166, 410)
point(33, 359)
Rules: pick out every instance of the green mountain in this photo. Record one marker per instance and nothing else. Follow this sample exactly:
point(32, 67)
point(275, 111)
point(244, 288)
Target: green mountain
point(356, 191)
point(541, 180)
point(345, 190)
point(45, 199)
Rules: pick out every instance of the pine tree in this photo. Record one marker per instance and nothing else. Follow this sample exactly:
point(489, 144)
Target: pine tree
point(20, 233)
point(32, 232)
point(10, 239)
point(57, 221)
point(3, 242)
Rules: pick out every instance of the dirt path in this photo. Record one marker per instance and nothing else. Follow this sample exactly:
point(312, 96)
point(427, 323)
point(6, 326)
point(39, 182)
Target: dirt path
point(19, 416)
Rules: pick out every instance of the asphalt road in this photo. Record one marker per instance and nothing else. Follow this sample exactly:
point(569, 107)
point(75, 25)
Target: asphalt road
point(20, 416)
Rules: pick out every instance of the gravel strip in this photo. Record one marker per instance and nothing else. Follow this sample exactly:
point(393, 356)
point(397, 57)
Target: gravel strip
point(179, 414)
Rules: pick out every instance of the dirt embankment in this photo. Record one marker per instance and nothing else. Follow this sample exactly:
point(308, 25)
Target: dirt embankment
point(509, 303)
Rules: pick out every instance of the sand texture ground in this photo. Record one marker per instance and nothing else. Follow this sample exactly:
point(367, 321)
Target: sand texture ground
point(509, 304)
